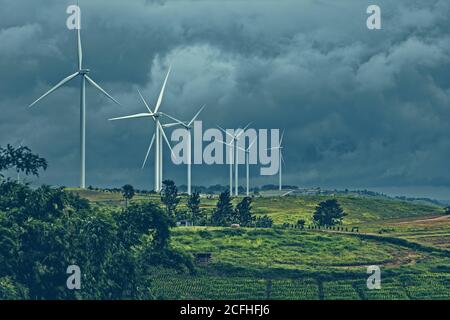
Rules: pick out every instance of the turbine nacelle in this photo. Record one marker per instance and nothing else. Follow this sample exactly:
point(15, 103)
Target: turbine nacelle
point(84, 71)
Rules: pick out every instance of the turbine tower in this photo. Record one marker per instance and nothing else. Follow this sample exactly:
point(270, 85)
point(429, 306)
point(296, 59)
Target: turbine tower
point(188, 127)
point(247, 165)
point(230, 145)
point(280, 157)
point(157, 136)
point(83, 73)
point(234, 140)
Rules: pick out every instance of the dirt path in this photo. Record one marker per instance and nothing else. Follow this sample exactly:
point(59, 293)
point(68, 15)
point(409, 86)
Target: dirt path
point(399, 260)
point(433, 219)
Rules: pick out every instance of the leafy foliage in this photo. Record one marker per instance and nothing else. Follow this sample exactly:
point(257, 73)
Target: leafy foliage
point(223, 214)
point(128, 193)
point(22, 159)
point(328, 213)
point(194, 206)
point(263, 222)
point(301, 223)
point(169, 196)
point(243, 212)
point(45, 230)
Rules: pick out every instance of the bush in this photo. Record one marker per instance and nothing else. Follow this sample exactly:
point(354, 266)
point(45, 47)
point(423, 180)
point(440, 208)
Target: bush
point(263, 222)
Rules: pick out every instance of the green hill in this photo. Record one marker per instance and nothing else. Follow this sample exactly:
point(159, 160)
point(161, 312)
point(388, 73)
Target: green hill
point(408, 241)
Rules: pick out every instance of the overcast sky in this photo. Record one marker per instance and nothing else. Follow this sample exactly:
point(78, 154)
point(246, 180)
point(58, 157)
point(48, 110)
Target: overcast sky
point(361, 108)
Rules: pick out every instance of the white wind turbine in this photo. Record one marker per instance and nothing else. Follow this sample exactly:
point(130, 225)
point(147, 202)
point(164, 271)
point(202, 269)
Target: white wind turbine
point(234, 143)
point(230, 145)
point(188, 127)
point(281, 160)
point(247, 165)
point(157, 136)
point(83, 73)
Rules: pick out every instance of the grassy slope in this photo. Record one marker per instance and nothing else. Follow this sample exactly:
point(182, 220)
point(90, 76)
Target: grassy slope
point(360, 210)
point(294, 264)
point(258, 249)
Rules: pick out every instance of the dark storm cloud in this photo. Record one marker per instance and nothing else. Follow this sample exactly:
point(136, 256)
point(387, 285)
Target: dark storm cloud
point(361, 108)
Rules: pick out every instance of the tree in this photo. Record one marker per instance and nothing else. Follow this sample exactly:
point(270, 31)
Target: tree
point(447, 210)
point(128, 193)
point(169, 196)
point(329, 213)
point(243, 212)
point(222, 215)
point(22, 159)
point(194, 206)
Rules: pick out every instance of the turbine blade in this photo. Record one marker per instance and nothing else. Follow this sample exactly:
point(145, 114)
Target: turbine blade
point(145, 103)
point(226, 132)
point(161, 94)
point(223, 142)
point(137, 115)
point(196, 115)
point(251, 144)
point(101, 89)
point(61, 83)
point(167, 140)
point(174, 119)
point(282, 159)
point(282, 136)
point(243, 130)
point(170, 125)
point(148, 151)
point(80, 49)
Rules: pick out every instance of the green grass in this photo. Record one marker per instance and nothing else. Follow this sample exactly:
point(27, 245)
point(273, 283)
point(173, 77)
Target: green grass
point(410, 248)
point(284, 249)
point(359, 209)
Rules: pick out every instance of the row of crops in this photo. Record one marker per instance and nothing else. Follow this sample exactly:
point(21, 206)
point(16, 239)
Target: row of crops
point(166, 285)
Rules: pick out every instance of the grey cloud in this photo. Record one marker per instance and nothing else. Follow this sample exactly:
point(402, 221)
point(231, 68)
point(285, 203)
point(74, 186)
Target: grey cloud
point(360, 108)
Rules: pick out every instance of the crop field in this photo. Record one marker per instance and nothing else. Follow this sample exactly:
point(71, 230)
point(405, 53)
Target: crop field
point(408, 241)
point(200, 287)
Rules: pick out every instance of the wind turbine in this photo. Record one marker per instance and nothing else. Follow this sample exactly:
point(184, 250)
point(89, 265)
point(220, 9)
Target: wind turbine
point(230, 145)
point(235, 140)
point(158, 134)
point(247, 165)
point(280, 157)
point(188, 127)
point(83, 73)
